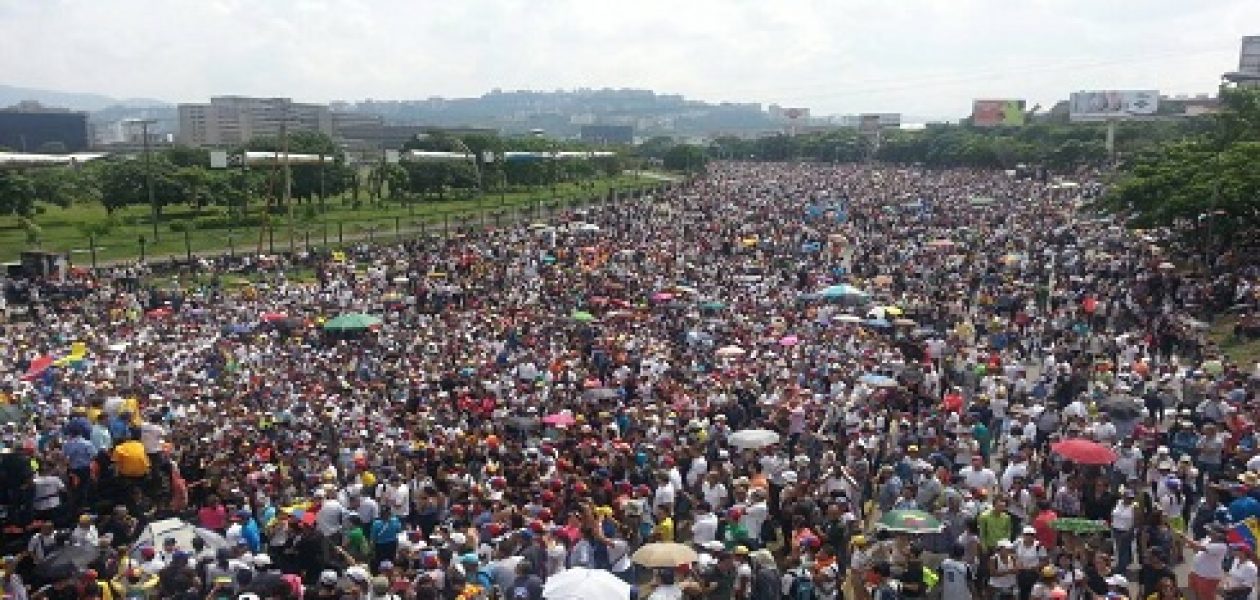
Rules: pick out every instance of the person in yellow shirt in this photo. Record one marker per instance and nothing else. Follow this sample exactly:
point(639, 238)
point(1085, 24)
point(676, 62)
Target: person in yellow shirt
point(664, 530)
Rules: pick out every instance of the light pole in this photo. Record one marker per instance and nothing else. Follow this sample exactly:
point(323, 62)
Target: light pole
point(148, 170)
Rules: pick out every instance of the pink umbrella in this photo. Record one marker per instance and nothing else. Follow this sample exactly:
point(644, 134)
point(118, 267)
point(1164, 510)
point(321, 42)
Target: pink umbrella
point(269, 317)
point(789, 340)
point(662, 297)
point(559, 419)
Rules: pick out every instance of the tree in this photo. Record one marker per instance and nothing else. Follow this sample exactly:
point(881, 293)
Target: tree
point(685, 157)
point(332, 177)
point(123, 183)
point(194, 181)
point(17, 194)
point(1211, 179)
point(63, 186)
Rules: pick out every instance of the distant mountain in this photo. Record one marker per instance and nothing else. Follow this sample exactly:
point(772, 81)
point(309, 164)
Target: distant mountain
point(10, 95)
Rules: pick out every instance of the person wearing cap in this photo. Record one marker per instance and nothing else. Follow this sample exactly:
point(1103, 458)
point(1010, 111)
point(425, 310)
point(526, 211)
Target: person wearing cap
point(1118, 587)
point(1123, 522)
point(1030, 558)
point(1003, 571)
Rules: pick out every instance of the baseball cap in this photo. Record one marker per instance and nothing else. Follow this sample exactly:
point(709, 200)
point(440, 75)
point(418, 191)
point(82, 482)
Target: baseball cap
point(328, 577)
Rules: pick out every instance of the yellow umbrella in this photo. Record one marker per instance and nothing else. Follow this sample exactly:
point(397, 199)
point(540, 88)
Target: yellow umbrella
point(894, 311)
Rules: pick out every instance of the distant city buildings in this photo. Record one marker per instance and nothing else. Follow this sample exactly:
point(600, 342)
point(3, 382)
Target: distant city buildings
point(32, 127)
point(1248, 73)
point(234, 120)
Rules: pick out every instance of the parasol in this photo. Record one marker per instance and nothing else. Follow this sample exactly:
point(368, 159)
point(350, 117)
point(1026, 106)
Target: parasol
point(1083, 451)
point(664, 555)
point(753, 438)
point(352, 322)
point(586, 584)
point(1078, 525)
point(910, 521)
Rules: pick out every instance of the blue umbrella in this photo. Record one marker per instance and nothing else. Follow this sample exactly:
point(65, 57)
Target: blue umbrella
point(239, 328)
point(877, 323)
point(842, 290)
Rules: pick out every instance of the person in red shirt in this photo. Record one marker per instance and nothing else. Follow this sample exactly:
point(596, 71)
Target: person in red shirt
point(1043, 523)
point(953, 401)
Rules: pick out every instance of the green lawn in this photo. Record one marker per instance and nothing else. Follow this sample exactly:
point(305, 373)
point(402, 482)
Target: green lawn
point(64, 230)
point(1242, 351)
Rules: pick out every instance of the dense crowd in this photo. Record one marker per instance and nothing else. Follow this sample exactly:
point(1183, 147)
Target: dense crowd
point(818, 381)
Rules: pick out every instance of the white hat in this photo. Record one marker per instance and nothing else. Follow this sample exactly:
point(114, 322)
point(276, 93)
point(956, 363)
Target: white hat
point(1117, 581)
point(789, 477)
point(1005, 544)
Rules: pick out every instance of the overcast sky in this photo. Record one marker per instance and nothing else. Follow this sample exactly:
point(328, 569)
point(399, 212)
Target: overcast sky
point(918, 57)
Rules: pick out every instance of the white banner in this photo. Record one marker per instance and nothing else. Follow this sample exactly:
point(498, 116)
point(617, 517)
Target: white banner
point(1113, 104)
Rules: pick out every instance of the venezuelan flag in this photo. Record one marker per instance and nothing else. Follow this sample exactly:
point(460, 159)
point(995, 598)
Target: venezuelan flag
point(1246, 532)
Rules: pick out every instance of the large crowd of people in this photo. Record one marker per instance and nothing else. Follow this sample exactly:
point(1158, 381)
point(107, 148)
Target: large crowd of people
point(802, 381)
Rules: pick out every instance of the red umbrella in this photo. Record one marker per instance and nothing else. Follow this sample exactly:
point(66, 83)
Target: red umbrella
point(559, 419)
point(269, 317)
point(37, 368)
point(160, 312)
point(1085, 452)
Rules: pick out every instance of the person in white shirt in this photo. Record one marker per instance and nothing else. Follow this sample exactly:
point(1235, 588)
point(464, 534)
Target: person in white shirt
point(664, 495)
point(978, 476)
point(704, 528)
point(755, 515)
point(714, 491)
point(397, 496)
point(1207, 568)
point(1242, 578)
point(331, 516)
point(48, 489)
point(1122, 523)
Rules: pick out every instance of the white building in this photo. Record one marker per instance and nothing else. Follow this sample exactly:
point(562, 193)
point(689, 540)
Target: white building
point(234, 120)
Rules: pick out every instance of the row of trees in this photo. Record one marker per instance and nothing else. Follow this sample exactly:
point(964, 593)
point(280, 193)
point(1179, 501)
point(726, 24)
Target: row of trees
point(1059, 146)
point(181, 175)
point(1209, 181)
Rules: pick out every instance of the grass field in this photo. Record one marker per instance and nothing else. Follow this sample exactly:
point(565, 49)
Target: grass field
point(67, 230)
point(1241, 351)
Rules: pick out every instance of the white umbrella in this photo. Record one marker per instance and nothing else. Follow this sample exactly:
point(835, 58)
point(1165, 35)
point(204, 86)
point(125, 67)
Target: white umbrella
point(585, 584)
point(753, 438)
point(730, 351)
point(849, 319)
point(588, 227)
point(664, 555)
point(183, 532)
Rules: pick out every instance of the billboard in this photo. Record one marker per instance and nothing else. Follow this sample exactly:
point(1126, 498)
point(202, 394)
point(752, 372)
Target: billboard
point(1113, 104)
point(994, 113)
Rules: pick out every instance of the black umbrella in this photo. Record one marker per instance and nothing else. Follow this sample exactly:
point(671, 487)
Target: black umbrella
point(67, 562)
point(1121, 408)
point(597, 394)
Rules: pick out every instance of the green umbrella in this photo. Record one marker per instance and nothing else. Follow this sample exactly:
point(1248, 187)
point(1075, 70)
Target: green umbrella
point(582, 316)
point(713, 305)
point(1078, 525)
point(910, 521)
point(352, 322)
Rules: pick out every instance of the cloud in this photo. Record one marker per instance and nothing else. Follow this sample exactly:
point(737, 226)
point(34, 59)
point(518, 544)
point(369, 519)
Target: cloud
point(914, 56)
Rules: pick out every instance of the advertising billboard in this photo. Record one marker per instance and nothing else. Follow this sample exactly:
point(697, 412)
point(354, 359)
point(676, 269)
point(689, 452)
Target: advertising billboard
point(995, 113)
point(1113, 104)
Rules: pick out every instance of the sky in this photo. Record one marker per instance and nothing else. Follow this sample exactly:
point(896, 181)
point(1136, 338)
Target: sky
point(916, 57)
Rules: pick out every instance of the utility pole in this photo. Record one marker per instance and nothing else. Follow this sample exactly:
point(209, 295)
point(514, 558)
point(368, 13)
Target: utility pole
point(148, 170)
point(287, 194)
